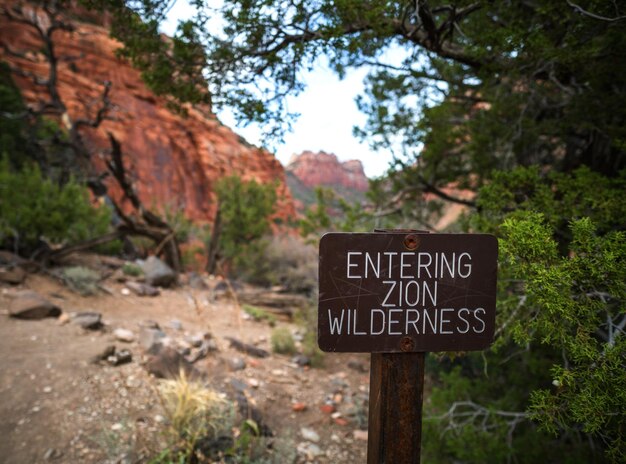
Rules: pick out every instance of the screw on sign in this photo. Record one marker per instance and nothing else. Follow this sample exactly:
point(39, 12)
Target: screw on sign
point(398, 295)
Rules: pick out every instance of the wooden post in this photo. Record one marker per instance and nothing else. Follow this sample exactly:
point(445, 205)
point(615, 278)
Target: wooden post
point(395, 404)
point(395, 408)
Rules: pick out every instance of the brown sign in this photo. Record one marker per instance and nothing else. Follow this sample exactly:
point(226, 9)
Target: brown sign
point(406, 292)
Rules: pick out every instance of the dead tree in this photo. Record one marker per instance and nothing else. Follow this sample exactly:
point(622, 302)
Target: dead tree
point(46, 18)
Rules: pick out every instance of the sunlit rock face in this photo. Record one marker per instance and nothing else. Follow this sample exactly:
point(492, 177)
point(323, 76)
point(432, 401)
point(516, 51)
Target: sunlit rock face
point(175, 160)
point(324, 169)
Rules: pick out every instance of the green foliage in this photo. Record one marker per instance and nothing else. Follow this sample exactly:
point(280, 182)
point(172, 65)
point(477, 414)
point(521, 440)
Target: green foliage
point(245, 208)
point(81, 280)
point(561, 350)
point(259, 314)
point(33, 209)
point(132, 269)
point(282, 341)
point(170, 67)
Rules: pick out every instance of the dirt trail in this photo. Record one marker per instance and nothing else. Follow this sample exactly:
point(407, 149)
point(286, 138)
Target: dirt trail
point(57, 406)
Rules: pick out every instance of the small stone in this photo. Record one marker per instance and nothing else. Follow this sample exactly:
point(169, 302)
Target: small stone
point(176, 324)
point(309, 434)
point(299, 407)
point(327, 408)
point(159, 419)
point(337, 398)
point(341, 421)
point(125, 291)
point(47, 389)
point(309, 450)
point(117, 426)
point(140, 289)
point(335, 415)
point(88, 320)
point(254, 383)
point(237, 364)
point(360, 435)
point(301, 360)
point(120, 357)
point(51, 454)
point(124, 335)
point(63, 319)
point(149, 337)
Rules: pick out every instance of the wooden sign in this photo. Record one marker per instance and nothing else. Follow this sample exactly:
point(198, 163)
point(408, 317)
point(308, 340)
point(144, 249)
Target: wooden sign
point(406, 292)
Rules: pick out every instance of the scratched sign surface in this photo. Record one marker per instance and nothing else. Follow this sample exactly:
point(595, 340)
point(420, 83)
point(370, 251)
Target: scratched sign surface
point(395, 292)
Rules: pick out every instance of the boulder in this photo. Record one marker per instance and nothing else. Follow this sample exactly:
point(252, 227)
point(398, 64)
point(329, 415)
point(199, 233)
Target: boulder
point(13, 275)
point(31, 305)
point(158, 273)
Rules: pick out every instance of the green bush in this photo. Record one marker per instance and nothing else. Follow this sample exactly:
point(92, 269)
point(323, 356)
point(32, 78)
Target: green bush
point(33, 209)
point(132, 269)
point(259, 314)
point(81, 280)
point(282, 341)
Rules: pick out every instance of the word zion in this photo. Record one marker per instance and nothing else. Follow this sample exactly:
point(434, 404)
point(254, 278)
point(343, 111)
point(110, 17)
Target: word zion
point(410, 305)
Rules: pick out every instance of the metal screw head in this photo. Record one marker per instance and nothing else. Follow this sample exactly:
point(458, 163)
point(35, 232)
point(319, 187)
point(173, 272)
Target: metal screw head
point(411, 241)
point(407, 344)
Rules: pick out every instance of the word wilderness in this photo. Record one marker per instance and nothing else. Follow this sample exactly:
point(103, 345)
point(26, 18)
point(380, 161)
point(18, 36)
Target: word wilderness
point(378, 296)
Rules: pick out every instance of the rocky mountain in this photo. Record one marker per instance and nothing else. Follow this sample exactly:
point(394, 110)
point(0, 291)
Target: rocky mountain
point(175, 160)
point(308, 170)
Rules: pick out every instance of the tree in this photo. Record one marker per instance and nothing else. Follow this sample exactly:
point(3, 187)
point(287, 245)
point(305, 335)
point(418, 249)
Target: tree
point(534, 89)
point(244, 209)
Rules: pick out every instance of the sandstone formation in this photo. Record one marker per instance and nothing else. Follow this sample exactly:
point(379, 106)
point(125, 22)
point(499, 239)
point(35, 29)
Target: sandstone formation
point(175, 160)
point(324, 169)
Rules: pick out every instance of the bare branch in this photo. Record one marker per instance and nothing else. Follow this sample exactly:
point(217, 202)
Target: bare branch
point(584, 12)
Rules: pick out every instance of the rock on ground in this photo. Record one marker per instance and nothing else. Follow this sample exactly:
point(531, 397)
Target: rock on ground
point(157, 273)
point(31, 305)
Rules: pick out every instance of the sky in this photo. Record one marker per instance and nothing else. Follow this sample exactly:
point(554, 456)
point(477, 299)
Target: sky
point(327, 111)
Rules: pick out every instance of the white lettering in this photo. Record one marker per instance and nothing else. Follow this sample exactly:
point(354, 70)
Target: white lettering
point(376, 268)
point(336, 324)
point(393, 285)
point(464, 320)
point(442, 321)
point(412, 321)
point(391, 312)
point(349, 264)
point(354, 325)
point(404, 265)
point(425, 266)
point(468, 267)
point(417, 293)
point(482, 329)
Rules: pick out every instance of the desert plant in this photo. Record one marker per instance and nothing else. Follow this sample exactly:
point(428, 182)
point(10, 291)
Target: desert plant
point(132, 269)
point(33, 209)
point(283, 260)
point(192, 412)
point(259, 314)
point(81, 280)
point(282, 341)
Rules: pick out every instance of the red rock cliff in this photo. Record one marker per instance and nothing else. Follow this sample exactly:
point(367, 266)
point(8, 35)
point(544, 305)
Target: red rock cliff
point(176, 160)
point(325, 169)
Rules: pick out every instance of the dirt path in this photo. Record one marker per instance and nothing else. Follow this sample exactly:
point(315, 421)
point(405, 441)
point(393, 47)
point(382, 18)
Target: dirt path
point(57, 406)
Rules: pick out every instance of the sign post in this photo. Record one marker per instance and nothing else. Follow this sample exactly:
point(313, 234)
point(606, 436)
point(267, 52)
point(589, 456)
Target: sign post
point(398, 295)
